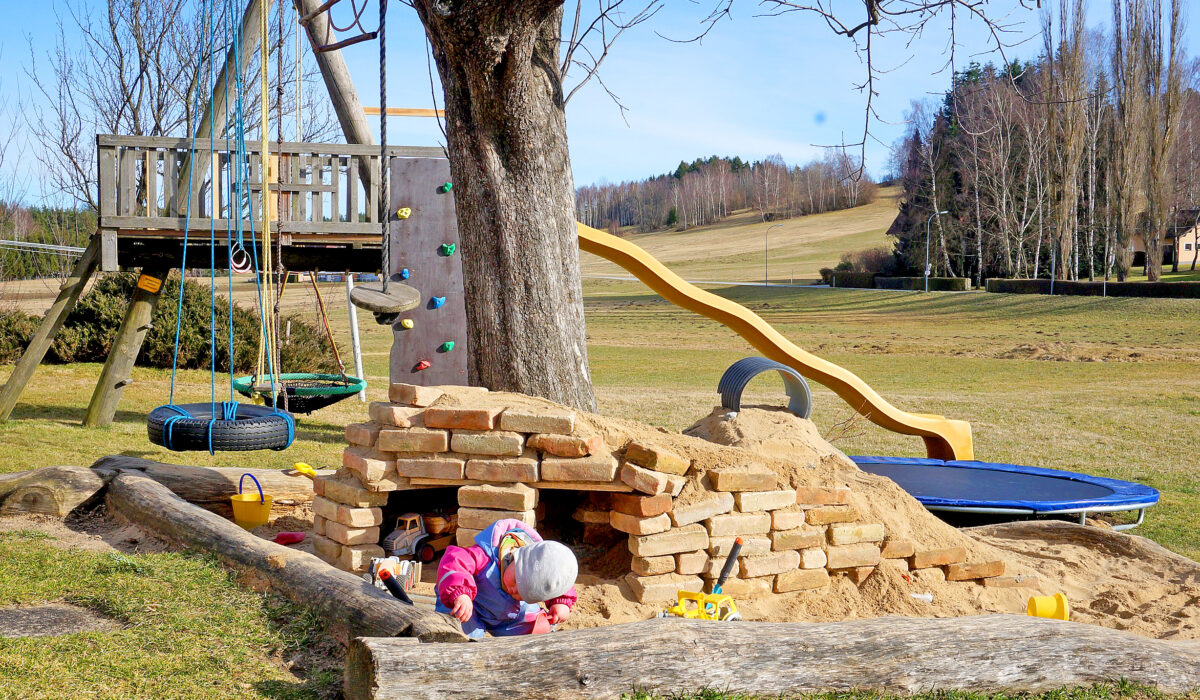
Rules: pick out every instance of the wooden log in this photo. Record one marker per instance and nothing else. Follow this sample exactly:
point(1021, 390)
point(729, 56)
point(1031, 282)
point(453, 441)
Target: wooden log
point(893, 655)
point(352, 606)
point(50, 490)
point(211, 487)
point(126, 346)
point(43, 337)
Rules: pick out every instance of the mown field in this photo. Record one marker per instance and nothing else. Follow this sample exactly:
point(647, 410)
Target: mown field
point(1106, 386)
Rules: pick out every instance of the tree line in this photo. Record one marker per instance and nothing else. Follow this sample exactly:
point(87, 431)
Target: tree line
point(1058, 165)
point(709, 189)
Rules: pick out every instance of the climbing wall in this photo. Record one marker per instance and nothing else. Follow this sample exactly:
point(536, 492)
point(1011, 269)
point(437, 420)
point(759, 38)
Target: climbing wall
point(431, 340)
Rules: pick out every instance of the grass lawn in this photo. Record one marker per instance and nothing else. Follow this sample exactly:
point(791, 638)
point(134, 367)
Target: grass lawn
point(1105, 386)
point(188, 631)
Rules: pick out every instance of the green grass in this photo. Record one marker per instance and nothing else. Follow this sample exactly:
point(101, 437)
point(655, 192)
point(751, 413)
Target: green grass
point(1100, 691)
point(187, 629)
point(1106, 386)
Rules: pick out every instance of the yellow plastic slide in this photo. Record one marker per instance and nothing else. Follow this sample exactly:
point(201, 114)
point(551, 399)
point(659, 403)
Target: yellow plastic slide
point(944, 438)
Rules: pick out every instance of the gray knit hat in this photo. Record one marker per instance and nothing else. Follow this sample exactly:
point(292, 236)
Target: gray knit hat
point(544, 570)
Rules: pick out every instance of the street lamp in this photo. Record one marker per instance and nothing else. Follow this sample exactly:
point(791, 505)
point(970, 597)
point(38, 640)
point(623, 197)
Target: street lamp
point(927, 269)
point(766, 279)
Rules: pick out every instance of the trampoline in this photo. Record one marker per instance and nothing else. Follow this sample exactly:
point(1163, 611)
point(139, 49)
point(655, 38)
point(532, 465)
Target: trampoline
point(991, 488)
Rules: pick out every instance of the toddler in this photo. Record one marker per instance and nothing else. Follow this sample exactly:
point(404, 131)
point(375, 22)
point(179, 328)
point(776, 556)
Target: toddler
point(496, 584)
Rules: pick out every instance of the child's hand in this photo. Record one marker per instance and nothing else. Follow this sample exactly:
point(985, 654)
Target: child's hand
point(463, 607)
point(558, 613)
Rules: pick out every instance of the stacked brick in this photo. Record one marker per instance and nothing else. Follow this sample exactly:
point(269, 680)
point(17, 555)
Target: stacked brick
point(794, 539)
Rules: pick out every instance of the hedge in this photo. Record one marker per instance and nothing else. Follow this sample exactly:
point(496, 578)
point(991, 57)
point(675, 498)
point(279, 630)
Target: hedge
point(871, 280)
point(936, 284)
point(88, 332)
point(854, 280)
point(1165, 290)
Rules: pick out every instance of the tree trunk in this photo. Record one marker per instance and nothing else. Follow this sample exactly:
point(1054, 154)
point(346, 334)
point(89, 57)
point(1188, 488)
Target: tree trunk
point(986, 653)
point(49, 491)
point(506, 133)
point(352, 606)
point(211, 487)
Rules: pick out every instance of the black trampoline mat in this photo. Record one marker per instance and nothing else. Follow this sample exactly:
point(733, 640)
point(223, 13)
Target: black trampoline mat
point(980, 486)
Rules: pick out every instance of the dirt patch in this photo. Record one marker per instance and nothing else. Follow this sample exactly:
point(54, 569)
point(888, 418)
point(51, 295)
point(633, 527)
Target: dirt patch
point(51, 620)
point(91, 531)
point(1111, 579)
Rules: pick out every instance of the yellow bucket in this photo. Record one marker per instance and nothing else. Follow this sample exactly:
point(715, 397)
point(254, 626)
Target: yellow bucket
point(1052, 606)
point(250, 510)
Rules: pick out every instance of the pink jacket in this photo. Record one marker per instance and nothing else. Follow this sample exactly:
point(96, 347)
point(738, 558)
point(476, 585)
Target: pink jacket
point(460, 565)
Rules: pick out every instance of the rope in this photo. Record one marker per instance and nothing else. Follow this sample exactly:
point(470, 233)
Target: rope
point(384, 198)
point(325, 320)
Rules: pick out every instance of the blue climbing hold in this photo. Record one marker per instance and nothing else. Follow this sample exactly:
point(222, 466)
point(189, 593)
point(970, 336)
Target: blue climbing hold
point(436, 302)
point(405, 274)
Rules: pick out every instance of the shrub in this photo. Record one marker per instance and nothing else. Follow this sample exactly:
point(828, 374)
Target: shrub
point(1165, 290)
point(88, 332)
point(855, 280)
point(826, 275)
point(16, 328)
point(936, 284)
point(880, 259)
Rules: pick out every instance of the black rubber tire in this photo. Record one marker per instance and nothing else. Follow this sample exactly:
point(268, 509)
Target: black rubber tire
point(256, 428)
point(424, 552)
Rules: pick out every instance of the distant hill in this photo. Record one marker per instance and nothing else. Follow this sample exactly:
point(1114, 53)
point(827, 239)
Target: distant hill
point(732, 250)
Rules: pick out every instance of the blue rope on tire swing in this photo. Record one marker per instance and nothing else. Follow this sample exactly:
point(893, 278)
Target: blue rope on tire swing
point(226, 425)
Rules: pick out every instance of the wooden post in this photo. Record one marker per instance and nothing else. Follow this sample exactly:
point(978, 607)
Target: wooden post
point(355, 345)
point(126, 346)
point(338, 83)
point(217, 105)
point(68, 295)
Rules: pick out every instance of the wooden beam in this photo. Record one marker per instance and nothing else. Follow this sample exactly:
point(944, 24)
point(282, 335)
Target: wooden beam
point(986, 653)
point(405, 112)
point(338, 83)
point(212, 119)
point(43, 337)
point(352, 606)
point(126, 345)
point(211, 487)
point(49, 491)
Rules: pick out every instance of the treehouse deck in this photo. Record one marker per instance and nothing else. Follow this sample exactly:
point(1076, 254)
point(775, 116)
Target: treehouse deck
point(327, 214)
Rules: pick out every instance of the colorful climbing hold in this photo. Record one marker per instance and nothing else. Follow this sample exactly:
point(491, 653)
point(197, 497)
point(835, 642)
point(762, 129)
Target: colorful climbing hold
point(436, 302)
point(407, 323)
point(445, 187)
point(423, 364)
point(403, 213)
point(447, 346)
point(448, 249)
point(405, 274)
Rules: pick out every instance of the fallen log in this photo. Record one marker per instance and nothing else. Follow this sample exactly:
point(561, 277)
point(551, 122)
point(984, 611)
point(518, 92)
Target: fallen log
point(352, 606)
point(50, 490)
point(211, 487)
point(896, 655)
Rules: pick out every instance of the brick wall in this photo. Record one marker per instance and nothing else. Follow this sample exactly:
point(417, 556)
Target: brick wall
point(794, 539)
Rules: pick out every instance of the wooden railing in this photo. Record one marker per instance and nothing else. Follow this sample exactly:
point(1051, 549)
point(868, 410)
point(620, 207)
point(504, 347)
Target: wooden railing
point(326, 192)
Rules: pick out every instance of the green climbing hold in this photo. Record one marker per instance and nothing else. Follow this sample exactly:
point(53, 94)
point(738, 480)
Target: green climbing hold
point(445, 187)
point(448, 249)
point(447, 346)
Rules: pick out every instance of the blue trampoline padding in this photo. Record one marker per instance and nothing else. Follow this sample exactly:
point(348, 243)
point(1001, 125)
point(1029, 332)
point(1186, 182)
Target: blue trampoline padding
point(971, 484)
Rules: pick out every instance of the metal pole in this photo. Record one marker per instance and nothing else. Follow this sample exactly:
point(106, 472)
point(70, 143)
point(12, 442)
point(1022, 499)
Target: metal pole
point(766, 236)
point(354, 343)
point(927, 270)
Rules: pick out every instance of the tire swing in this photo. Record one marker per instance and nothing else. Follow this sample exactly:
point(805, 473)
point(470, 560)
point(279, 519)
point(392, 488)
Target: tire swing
point(304, 392)
point(224, 425)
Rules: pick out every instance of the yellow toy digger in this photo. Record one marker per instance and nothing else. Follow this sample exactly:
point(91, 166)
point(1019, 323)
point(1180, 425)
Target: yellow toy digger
point(693, 605)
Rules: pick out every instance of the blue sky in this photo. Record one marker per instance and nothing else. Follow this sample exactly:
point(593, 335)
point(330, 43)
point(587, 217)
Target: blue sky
point(754, 87)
